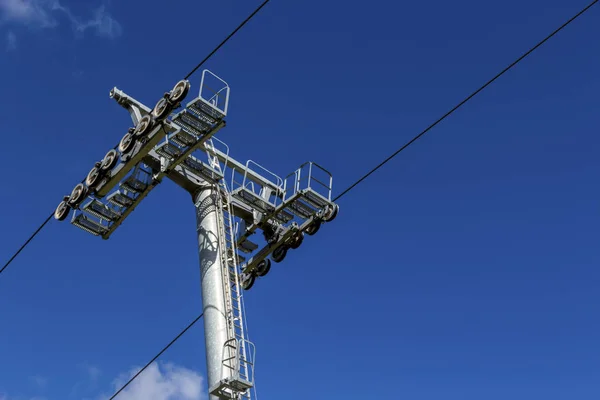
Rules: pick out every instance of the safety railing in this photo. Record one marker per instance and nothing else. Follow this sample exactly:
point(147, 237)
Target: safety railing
point(214, 91)
point(212, 146)
point(257, 187)
point(309, 176)
point(239, 365)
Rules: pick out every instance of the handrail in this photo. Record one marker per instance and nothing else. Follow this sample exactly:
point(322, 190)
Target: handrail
point(216, 95)
point(225, 87)
point(252, 175)
point(309, 178)
point(279, 182)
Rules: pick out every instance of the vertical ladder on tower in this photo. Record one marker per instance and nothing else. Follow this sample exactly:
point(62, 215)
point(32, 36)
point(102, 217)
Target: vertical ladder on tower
point(238, 351)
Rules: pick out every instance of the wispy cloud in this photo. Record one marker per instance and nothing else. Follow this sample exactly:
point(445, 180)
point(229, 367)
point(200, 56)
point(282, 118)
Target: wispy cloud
point(5, 397)
point(43, 14)
point(11, 44)
point(88, 383)
point(93, 372)
point(31, 12)
point(40, 381)
point(102, 23)
point(161, 382)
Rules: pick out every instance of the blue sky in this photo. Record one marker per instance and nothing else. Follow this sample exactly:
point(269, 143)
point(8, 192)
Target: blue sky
point(465, 269)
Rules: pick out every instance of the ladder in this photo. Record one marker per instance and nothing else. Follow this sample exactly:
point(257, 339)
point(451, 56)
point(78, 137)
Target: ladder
point(238, 352)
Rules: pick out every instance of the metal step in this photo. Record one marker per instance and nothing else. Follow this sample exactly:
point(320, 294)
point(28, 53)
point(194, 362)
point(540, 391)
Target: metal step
point(194, 165)
point(315, 199)
point(201, 106)
point(197, 122)
point(283, 216)
point(228, 388)
point(201, 116)
point(190, 130)
point(101, 211)
point(253, 200)
point(88, 225)
point(169, 150)
point(300, 209)
point(184, 139)
point(134, 185)
point(118, 199)
point(247, 246)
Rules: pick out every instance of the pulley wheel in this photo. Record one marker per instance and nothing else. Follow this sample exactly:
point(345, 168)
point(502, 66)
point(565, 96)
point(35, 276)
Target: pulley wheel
point(248, 281)
point(279, 254)
point(313, 228)
point(263, 267)
point(126, 143)
point(110, 160)
point(78, 194)
point(297, 240)
point(62, 211)
point(144, 126)
point(179, 92)
point(93, 177)
point(161, 109)
point(331, 213)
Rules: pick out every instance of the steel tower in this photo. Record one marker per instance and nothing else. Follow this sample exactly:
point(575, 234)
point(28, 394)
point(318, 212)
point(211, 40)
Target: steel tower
point(233, 202)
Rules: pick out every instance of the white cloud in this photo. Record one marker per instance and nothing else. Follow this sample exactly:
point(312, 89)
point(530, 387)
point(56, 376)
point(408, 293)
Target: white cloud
point(11, 44)
point(162, 382)
point(45, 13)
point(31, 12)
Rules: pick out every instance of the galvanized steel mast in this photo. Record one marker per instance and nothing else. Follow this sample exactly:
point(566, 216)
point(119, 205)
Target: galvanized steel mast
point(234, 201)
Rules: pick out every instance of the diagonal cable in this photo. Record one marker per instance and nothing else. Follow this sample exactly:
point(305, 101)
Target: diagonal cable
point(227, 38)
point(475, 93)
point(187, 76)
point(27, 242)
point(156, 356)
